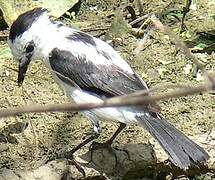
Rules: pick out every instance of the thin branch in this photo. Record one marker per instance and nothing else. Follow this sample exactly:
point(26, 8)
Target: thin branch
point(139, 19)
point(128, 100)
point(157, 23)
point(98, 28)
point(177, 41)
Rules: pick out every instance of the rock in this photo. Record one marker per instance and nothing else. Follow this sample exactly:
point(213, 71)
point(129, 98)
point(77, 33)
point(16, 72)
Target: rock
point(119, 162)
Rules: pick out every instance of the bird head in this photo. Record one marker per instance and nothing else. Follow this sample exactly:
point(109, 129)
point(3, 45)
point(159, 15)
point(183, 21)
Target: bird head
point(25, 38)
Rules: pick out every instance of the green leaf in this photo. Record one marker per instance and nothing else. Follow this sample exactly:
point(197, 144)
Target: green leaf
point(201, 45)
point(12, 9)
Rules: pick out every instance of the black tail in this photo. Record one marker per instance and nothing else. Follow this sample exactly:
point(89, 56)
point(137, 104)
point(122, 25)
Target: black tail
point(183, 151)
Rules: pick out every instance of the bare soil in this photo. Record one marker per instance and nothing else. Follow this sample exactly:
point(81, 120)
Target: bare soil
point(28, 141)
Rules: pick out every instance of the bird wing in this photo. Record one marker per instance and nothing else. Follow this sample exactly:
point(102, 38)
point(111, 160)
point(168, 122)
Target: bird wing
point(96, 67)
point(106, 80)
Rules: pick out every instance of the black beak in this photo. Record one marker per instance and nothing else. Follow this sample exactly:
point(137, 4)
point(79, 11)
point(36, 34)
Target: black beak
point(22, 71)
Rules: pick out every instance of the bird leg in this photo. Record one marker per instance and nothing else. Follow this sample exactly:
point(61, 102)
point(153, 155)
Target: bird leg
point(97, 131)
point(69, 155)
point(108, 143)
point(86, 141)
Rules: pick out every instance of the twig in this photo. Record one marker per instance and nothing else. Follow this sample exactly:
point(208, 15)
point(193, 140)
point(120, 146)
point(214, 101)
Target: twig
point(128, 100)
point(139, 19)
point(100, 28)
point(143, 24)
point(157, 23)
point(137, 32)
point(178, 42)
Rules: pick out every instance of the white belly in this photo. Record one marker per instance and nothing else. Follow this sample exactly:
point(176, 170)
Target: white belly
point(117, 114)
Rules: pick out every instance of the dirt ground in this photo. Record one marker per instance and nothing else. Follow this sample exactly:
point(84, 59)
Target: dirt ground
point(28, 141)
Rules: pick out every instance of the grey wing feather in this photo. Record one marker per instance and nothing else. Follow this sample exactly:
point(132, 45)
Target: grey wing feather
point(99, 79)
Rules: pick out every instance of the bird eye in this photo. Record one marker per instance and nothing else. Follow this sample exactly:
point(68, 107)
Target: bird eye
point(29, 48)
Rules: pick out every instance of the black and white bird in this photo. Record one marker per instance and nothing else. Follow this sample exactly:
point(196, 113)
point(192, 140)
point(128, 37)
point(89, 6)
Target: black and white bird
point(90, 70)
